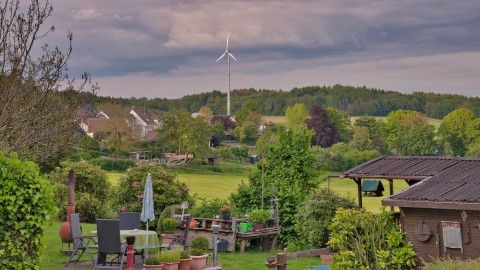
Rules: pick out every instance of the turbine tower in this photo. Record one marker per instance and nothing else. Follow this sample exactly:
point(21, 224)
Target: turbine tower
point(228, 54)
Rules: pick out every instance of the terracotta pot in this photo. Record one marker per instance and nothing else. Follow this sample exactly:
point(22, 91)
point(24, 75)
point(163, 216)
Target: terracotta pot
point(198, 262)
point(170, 266)
point(257, 226)
point(327, 258)
point(184, 264)
point(167, 238)
point(153, 267)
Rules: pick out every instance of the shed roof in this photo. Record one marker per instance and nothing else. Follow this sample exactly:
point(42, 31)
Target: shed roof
point(448, 182)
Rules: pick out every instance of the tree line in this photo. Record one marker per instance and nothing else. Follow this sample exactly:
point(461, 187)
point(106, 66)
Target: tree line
point(356, 101)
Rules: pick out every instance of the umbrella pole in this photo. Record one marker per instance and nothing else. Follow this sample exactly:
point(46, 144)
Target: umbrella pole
point(146, 252)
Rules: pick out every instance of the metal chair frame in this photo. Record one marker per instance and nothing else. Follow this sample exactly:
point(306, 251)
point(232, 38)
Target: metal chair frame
point(79, 243)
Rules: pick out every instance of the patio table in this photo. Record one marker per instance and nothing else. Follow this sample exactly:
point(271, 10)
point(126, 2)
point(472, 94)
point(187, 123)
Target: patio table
point(141, 238)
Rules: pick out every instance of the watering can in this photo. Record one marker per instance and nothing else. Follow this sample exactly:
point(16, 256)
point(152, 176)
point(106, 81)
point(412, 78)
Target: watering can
point(242, 226)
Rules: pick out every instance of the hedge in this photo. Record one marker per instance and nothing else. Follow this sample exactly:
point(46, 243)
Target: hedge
point(113, 164)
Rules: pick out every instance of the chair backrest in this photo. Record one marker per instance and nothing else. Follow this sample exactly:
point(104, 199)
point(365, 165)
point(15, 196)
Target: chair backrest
point(108, 233)
point(75, 228)
point(129, 220)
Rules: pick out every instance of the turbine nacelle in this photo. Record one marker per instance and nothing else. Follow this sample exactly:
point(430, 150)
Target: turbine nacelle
point(227, 52)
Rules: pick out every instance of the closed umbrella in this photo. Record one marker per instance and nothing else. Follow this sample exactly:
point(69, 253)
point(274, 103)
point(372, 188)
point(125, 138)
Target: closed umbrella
point(147, 208)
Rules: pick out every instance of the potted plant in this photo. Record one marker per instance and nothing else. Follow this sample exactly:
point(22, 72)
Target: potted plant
point(170, 259)
point(169, 226)
point(185, 261)
point(198, 253)
point(153, 262)
point(258, 217)
point(225, 212)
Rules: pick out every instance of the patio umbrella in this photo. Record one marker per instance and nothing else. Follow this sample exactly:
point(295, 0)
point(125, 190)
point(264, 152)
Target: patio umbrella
point(147, 208)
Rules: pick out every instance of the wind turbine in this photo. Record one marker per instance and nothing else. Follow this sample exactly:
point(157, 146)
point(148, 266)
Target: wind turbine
point(228, 54)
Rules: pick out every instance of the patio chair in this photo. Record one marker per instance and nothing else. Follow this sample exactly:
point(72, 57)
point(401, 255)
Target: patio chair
point(129, 220)
point(108, 232)
point(79, 244)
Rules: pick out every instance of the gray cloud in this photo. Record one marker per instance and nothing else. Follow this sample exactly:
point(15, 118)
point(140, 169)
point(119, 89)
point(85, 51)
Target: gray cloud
point(174, 44)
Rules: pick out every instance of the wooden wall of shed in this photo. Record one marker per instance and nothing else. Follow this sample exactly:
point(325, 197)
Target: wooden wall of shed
point(433, 217)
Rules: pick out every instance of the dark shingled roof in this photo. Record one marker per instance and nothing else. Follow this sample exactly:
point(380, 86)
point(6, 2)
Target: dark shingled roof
point(445, 179)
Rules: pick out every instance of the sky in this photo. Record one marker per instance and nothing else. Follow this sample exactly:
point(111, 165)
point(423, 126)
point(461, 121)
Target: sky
point(168, 49)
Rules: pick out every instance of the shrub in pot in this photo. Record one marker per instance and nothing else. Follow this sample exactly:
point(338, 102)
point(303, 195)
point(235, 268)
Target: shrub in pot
point(185, 261)
point(259, 216)
point(170, 259)
point(169, 226)
point(153, 262)
point(198, 254)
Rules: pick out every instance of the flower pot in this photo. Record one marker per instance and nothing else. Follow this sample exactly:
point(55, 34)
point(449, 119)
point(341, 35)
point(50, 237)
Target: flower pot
point(198, 262)
point(271, 223)
point(226, 217)
point(242, 227)
point(327, 258)
point(257, 226)
point(167, 238)
point(153, 267)
point(170, 266)
point(184, 264)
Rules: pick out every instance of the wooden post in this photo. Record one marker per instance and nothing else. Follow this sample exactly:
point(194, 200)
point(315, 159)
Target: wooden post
point(390, 182)
point(277, 219)
point(359, 187)
point(242, 246)
point(234, 230)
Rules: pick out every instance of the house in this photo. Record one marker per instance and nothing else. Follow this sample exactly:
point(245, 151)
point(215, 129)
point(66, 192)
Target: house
point(147, 121)
point(440, 210)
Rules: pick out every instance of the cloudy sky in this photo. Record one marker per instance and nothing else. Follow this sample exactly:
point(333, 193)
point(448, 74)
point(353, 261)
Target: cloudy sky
point(161, 48)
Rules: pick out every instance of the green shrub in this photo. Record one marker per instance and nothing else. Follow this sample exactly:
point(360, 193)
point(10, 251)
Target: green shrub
point(166, 213)
point(25, 205)
point(169, 225)
point(197, 252)
point(184, 255)
point(92, 190)
point(153, 260)
point(208, 208)
point(170, 256)
point(367, 241)
point(260, 216)
point(200, 242)
point(113, 164)
point(167, 190)
point(315, 214)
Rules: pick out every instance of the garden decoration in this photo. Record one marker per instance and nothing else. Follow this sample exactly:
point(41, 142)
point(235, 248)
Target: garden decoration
point(147, 208)
point(65, 232)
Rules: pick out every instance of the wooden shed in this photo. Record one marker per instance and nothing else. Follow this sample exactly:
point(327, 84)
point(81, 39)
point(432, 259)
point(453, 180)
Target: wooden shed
point(440, 211)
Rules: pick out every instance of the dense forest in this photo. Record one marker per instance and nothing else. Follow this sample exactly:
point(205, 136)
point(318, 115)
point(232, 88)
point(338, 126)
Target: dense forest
point(356, 101)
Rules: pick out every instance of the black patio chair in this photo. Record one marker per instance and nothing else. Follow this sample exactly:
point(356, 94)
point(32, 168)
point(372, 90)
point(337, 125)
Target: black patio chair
point(108, 232)
point(129, 220)
point(79, 243)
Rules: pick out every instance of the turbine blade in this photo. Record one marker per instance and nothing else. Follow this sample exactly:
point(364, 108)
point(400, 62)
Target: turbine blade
point(228, 35)
point(232, 56)
point(221, 56)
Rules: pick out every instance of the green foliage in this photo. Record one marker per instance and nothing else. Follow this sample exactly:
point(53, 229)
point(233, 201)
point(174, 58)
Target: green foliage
point(295, 116)
point(169, 225)
point(240, 152)
point(225, 153)
point(289, 176)
point(208, 208)
point(418, 141)
point(260, 216)
point(365, 241)
point(92, 190)
point(247, 132)
point(184, 255)
point(26, 204)
point(167, 190)
point(248, 107)
point(166, 213)
point(197, 252)
point(315, 215)
point(361, 139)
point(340, 158)
point(113, 164)
point(341, 121)
point(200, 242)
point(170, 256)
point(153, 260)
point(268, 139)
point(453, 130)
